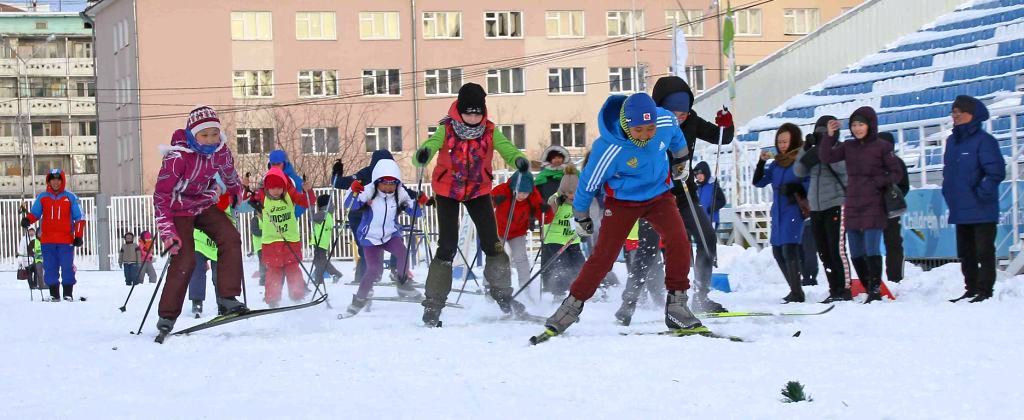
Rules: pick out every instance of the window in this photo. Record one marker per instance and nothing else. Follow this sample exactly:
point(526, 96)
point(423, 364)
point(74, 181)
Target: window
point(45, 163)
point(254, 141)
point(84, 128)
point(319, 140)
point(625, 22)
point(566, 80)
point(6, 129)
point(83, 89)
point(516, 133)
point(315, 26)
point(501, 81)
point(253, 83)
point(621, 79)
point(40, 49)
point(81, 49)
point(695, 75)
point(443, 81)
point(681, 17)
point(6, 51)
point(800, 21)
point(378, 25)
point(564, 23)
point(748, 22)
point(741, 67)
point(47, 128)
point(384, 138)
point(313, 83)
point(251, 26)
point(8, 88)
point(46, 87)
point(10, 167)
point(84, 164)
point(569, 134)
point(381, 82)
point(41, 25)
point(442, 25)
point(503, 24)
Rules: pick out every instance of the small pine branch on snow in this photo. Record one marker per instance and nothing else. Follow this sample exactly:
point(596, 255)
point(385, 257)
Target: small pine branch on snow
point(794, 392)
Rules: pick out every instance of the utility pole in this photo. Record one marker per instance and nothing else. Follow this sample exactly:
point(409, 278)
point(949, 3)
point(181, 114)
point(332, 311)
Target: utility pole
point(636, 57)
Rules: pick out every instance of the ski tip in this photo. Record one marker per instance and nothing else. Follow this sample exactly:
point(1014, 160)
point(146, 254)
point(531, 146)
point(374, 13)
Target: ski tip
point(123, 309)
point(797, 334)
point(542, 337)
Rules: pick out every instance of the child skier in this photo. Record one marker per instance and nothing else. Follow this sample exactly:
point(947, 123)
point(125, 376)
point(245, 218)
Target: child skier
point(323, 240)
point(146, 252)
point(30, 248)
point(129, 258)
point(282, 249)
point(465, 142)
point(630, 164)
point(381, 203)
point(184, 199)
point(558, 233)
point(555, 160)
point(524, 203)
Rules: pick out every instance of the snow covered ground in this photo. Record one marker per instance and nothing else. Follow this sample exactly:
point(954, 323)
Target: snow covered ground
point(917, 357)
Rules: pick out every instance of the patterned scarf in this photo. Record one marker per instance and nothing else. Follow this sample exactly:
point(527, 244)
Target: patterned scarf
point(786, 159)
point(625, 129)
point(464, 131)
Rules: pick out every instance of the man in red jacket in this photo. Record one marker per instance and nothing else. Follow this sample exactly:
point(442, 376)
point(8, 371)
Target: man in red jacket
point(61, 224)
point(524, 203)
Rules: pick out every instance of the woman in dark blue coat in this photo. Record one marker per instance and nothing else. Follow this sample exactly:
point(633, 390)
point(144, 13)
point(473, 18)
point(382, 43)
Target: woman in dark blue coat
point(787, 216)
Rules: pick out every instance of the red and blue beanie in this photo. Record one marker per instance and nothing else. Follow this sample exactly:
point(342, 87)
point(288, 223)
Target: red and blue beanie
point(201, 118)
point(639, 109)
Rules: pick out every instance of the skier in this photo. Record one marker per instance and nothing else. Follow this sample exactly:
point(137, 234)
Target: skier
point(629, 162)
point(787, 219)
point(129, 258)
point(672, 93)
point(710, 194)
point(61, 224)
point(184, 198)
point(277, 202)
point(555, 160)
point(146, 249)
point(525, 204)
point(379, 231)
point(323, 240)
point(892, 236)
point(465, 142)
point(30, 248)
point(560, 232)
point(279, 159)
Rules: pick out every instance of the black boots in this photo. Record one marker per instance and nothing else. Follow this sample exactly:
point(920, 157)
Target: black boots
point(68, 295)
point(873, 284)
point(792, 273)
point(967, 295)
point(54, 293)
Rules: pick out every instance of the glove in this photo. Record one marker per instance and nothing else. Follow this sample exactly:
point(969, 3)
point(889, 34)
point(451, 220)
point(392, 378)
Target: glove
point(533, 225)
point(522, 165)
point(584, 227)
point(336, 170)
point(679, 171)
point(422, 155)
point(723, 118)
point(256, 205)
point(25, 223)
point(172, 245)
point(356, 187)
point(77, 242)
point(544, 208)
point(430, 202)
point(422, 199)
point(498, 199)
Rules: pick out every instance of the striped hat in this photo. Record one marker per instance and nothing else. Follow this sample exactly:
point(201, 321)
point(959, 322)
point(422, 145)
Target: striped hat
point(201, 118)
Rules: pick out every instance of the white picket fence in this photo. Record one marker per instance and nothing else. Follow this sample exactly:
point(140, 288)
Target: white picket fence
point(10, 226)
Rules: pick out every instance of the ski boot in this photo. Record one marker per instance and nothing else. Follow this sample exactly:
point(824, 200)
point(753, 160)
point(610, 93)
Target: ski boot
point(702, 303)
point(54, 293)
point(431, 315)
point(625, 313)
point(566, 315)
point(841, 296)
point(165, 325)
point(981, 297)
point(357, 305)
point(970, 294)
point(68, 296)
point(677, 315)
point(197, 307)
point(335, 279)
point(512, 307)
point(407, 290)
point(230, 306)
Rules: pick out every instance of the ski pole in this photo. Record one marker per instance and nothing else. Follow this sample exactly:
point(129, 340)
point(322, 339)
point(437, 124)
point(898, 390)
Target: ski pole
point(416, 222)
point(135, 282)
point(159, 280)
point(469, 270)
point(303, 266)
point(696, 221)
point(543, 235)
point(547, 264)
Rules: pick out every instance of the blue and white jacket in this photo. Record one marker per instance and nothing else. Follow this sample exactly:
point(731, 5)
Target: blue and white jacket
point(379, 223)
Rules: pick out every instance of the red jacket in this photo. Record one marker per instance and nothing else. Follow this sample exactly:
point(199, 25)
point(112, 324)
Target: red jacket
point(59, 214)
point(524, 210)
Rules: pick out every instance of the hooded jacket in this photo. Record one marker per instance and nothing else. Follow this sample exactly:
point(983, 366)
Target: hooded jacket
point(280, 156)
point(186, 184)
point(827, 187)
point(549, 177)
point(871, 165)
point(973, 167)
point(365, 177)
point(787, 220)
point(379, 224)
point(524, 210)
point(628, 172)
point(709, 193)
point(59, 214)
point(278, 221)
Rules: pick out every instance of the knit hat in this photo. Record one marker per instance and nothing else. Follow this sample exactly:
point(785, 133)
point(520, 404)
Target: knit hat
point(278, 156)
point(677, 102)
point(570, 180)
point(639, 109)
point(471, 99)
point(275, 178)
point(323, 200)
point(965, 104)
point(525, 186)
point(201, 118)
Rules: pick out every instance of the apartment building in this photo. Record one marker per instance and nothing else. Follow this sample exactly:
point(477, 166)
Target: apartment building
point(328, 79)
point(47, 102)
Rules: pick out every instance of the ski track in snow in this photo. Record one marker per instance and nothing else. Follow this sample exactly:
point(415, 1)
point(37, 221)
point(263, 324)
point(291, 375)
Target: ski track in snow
point(917, 357)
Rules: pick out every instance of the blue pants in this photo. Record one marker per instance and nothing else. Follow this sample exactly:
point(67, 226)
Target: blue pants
point(58, 263)
point(197, 283)
point(865, 243)
point(131, 271)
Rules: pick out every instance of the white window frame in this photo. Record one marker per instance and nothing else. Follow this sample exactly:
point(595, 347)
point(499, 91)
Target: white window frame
point(368, 16)
point(436, 76)
point(247, 135)
point(632, 22)
point(393, 133)
point(617, 72)
point(573, 127)
point(556, 17)
point(252, 34)
point(810, 18)
point(328, 22)
point(508, 21)
point(374, 74)
point(308, 77)
point(559, 73)
point(311, 134)
point(692, 30)
point(497, 76)
point(509, 130)
point(747, 31)
point(691, 77)
point(235, 78)
point(437, 18)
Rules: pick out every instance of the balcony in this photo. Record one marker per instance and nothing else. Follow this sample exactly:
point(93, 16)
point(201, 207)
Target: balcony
point(11, 186)
point(51, 145)
point(85, 183)
point(8, 67)
point(8, 107)
point(36, 67)
point(83, 145)
point(81, 67)
point(82, 105)
point(10, 146)
point(48, 106)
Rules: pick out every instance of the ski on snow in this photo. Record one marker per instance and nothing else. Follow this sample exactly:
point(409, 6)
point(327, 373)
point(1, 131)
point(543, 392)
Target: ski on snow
point(681, 332)
point(227, 319)
point(416, 285)
point(722, 315)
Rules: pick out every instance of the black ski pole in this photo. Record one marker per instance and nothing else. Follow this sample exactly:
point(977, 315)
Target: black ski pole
point(548, 264)
point(469, 270)
point(135, 282)
point(159, 280)
point(303, 266)
point(415, 225)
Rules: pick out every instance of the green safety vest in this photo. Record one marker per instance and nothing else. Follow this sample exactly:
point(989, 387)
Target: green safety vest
point(257, 244)
point(37, 251)
point(205, 245)
point(278, 222)
point(634, 234)
point(561, 229)
point(323, 232)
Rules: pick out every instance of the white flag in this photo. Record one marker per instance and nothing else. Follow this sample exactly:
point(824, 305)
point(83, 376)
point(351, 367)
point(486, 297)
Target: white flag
point(679, 53)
